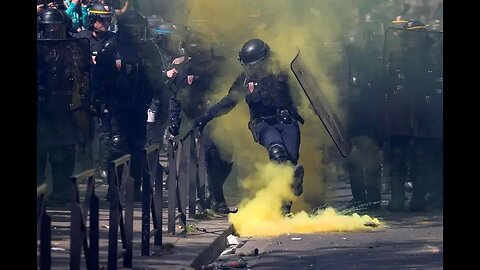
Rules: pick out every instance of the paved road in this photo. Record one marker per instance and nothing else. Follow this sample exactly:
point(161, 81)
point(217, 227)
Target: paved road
point(410, 240)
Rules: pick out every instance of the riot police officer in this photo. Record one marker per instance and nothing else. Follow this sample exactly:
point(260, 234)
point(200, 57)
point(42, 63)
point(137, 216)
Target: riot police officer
point(414, 114)
point(163, 36)
point(105, 62)
point(273, 114)
point(62, 105)
point(139, 79)
point(192, 83)
point(362, 100)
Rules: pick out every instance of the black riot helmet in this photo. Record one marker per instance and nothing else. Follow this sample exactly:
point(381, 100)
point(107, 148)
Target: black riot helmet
point(51, 24)
point(132, 26)
point(253, 51)
point(68, 21)
point(415, 35)
point(414, 25)
point(358, 37)
point(162, 34)
point(98, 12)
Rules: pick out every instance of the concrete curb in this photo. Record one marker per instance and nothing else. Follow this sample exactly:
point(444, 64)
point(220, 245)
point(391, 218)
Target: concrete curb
point(212, 251)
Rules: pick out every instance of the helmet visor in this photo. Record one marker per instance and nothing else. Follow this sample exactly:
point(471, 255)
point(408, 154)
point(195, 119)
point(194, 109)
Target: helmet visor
point(259, 69)
point(52, 31)
point(133, 32)
point(414, 38)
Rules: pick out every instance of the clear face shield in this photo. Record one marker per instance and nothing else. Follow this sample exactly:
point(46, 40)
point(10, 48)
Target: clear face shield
point(356, 38)
point(52, 31)
point(133, 32)
point(259, 69)
point(414, 39)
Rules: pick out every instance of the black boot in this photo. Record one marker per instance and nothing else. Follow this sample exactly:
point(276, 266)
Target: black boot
point(221, 208)
point(286, 208)
point(297, 185)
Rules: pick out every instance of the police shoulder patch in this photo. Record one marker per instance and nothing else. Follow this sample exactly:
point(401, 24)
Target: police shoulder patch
point(251, 86)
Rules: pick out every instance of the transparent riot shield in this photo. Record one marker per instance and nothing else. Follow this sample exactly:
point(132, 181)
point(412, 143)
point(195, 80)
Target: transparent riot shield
point(63, 74)
point(320, 103)
point(63, 70)
point(412, 81)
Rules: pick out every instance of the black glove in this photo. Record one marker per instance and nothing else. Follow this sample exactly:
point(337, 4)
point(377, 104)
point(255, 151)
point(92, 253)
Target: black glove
point(95, 108)
point(174, 129)
point(202, 121)
point(107, 52)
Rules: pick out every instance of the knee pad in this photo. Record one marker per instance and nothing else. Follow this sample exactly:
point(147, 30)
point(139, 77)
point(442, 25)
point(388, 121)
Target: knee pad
point(278, 152)
point(119, 145)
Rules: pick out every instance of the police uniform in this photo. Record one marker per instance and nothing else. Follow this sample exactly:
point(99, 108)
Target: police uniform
point(363, 98)
point(62, 106)
point(273, 115)
point(102, 49)
point(414, 111)
point(124, 107)
point(202, 66)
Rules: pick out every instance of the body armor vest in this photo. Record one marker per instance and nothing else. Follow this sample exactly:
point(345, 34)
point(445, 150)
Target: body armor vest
point(267, 96)
point(131, 82)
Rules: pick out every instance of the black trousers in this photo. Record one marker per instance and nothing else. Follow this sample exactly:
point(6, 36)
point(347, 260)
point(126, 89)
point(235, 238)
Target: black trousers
point(286, 134)
point(124, 132)
point(426, 156)
point(363, 165)
point(427, 172)
point(218, 169)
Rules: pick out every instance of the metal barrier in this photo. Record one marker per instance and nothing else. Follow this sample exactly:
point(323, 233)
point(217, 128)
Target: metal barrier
point(173, 148)
point(78, 228)
point(120, 195)
point(44, 228)
point(152, 189)
point(186, 172)
point(201, 176)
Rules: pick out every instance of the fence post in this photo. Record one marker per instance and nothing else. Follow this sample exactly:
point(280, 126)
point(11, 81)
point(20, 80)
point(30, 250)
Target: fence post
point(120, 194)
point(201, 171)
point(78, 228)
point(172, 184)
point(44, 228)
point(192, 176)
point(152, 198)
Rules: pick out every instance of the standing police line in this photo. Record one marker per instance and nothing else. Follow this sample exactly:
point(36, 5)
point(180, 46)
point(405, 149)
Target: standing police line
point(98, 74)
point(125, 77)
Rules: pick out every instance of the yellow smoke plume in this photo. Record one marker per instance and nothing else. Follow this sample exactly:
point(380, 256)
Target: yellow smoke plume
point(313, 27)
point(261, 216)
point(310, 26)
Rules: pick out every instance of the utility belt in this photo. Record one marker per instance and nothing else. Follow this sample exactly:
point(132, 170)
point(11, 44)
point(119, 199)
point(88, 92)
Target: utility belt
point(282, 116)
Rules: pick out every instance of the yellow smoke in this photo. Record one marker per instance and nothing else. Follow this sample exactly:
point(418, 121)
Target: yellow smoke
point(310, 26)
point(287, 26)
point(261, 216)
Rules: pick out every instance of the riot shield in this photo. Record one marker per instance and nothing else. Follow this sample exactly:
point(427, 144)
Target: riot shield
point(321, 106)
point(63, 66)
point(413, 83)
point(377, 31)
point(63, 74)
